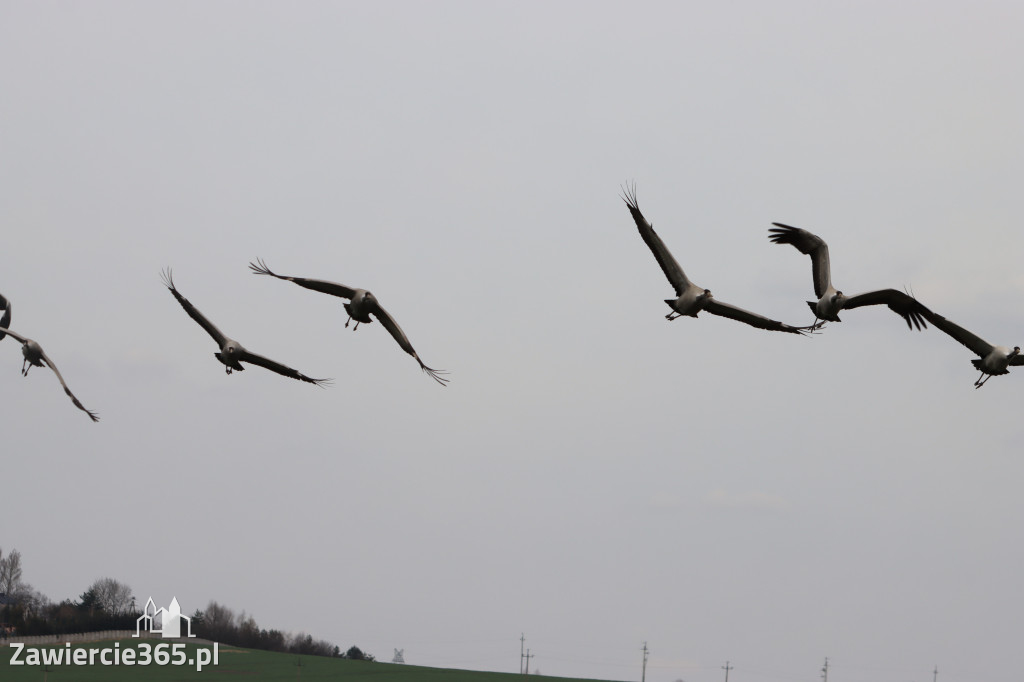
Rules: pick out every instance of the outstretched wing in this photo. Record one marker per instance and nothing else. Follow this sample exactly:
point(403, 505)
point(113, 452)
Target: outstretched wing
point(389, 323)
point(210, 328)
point(676, 277)
point(5, 321)
point(49, 363)
point(249, 356)
point(811, 244)
point(323, 286)
point(903, 304)
point(978, 345)
point(16, 335)
point(716, 307)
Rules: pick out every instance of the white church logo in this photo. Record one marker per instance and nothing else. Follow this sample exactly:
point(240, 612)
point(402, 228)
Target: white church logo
point(163, 622)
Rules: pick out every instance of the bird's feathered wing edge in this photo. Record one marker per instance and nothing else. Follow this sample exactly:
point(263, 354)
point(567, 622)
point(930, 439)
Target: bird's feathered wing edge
point(906, 306)
point(669, 265)
point(716, 307)
point(321, 285)
point(972, 342)
point(283, 370)
point(192, 311)
point(810, 244)
point(49, 363)
point(396, 332)
point(5, 321)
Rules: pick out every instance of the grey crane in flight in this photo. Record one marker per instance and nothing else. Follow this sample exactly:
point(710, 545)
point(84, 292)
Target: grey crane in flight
point(830, 300)
point(361, 305)
point(991, 361)
point(35, 356)
point(231, 352)
point(690, 298)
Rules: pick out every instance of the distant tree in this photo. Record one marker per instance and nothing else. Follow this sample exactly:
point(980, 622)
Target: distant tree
point(88, 601)
point(356, 654)
point(248, 632)
point(301, 644)
point(219, 622)
point(34, 604)
point(113, 597)
point(10, 572)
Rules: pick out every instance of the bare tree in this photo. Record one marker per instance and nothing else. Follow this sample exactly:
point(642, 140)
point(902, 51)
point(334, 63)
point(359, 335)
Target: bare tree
point(112, 596)
point(34, 602)
point(248, 630)
point(10, 572)
point(218, 619)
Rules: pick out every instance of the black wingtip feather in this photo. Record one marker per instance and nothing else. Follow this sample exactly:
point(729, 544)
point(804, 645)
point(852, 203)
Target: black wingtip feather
point(260, 269)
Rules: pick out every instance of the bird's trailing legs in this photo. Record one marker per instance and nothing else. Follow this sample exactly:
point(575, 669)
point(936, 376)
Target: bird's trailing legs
point(982, 379)
point(818, 324)
point(349, 320)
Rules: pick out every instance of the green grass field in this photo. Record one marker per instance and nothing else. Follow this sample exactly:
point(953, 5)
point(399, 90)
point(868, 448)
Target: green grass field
point(239, 665)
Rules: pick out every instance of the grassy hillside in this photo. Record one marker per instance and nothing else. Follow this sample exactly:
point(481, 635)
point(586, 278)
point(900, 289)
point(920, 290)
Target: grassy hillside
point(243, 664)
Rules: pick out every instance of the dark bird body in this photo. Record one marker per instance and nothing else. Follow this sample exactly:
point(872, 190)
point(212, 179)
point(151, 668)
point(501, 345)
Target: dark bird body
point(830, 300)
point(231, 352)
point(991, 361)
point(35, 356)
point(690, 298)
point(360, 306)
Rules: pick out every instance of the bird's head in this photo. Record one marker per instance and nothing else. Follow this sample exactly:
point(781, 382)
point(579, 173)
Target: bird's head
point(363, 298)
point(707, 294)
point(1016, 351)
point(839, 298)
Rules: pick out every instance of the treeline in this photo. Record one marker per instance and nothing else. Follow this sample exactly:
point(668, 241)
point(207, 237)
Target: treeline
point(106, 605)
point(109, 605)
point(64, 618)
point(220, 624)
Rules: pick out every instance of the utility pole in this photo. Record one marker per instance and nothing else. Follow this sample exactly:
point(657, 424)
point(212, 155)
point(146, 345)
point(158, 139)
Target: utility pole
point(727, 668)
point(528, 657)
point(522, 643)
point(935, 675)
point(643, 672)
point(824, 671)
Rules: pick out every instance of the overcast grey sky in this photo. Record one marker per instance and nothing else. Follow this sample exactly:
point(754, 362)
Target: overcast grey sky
point(594, 476)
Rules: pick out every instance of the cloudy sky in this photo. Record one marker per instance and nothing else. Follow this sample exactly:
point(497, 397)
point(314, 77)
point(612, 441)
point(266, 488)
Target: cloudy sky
point(594, 477)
